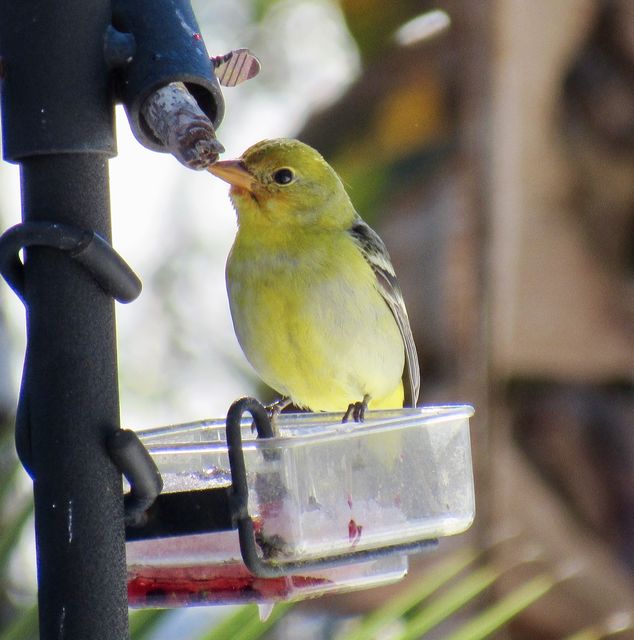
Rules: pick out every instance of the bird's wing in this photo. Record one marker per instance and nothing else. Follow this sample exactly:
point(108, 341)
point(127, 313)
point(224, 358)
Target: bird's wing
point(375, 253)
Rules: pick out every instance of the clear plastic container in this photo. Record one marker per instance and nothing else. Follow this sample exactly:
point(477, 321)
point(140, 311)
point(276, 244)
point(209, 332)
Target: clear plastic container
point(319, 489)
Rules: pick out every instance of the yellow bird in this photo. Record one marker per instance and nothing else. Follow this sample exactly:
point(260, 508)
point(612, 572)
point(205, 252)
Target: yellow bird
point(314, 300)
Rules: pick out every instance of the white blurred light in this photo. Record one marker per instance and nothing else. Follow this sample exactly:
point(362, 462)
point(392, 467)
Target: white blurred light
point(423, 27)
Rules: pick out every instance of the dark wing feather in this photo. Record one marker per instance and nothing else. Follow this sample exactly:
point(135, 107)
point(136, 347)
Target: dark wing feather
point(375, 253)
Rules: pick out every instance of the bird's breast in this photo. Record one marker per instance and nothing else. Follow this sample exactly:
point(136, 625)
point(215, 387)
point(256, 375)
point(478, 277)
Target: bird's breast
point(308, 315)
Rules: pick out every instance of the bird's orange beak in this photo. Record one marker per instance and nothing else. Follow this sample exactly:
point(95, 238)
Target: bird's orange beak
point(234, 172)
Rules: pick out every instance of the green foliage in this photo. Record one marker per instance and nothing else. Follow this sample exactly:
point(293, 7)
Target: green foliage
point(402, 604)
point(144, 622)
point(245, 624)
point(24, 626)
point(495, 616)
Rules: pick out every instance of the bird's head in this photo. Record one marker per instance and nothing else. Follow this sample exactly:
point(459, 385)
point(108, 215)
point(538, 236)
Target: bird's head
point(285, 182)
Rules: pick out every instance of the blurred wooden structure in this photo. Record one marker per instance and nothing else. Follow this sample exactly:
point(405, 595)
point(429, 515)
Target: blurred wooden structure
point(561, 310)
point(508, 223)
point(557, 309)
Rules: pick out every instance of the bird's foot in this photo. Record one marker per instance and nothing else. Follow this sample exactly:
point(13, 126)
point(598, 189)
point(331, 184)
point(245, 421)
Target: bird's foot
point(274, 409)
point(356, 410)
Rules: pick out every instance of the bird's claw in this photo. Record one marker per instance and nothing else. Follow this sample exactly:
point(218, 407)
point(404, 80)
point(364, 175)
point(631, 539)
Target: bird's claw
point(356, 411)
point(274, 409)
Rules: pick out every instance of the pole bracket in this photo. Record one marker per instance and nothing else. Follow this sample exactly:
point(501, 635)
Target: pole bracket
point(135, 463)
point(87, 248)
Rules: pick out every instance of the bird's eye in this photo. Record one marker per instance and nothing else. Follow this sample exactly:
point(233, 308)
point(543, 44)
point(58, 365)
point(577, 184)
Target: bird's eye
point(283, 176)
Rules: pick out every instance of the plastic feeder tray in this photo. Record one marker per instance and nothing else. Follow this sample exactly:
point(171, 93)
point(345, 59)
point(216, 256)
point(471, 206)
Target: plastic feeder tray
point(214, 573)
point(319, 489)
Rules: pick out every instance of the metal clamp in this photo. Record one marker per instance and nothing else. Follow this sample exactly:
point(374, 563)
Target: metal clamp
point(182, 513)
point(87, 248)
point(135, 463)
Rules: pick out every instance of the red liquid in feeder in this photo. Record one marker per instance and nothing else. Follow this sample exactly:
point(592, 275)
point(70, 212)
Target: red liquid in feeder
point(226, 584)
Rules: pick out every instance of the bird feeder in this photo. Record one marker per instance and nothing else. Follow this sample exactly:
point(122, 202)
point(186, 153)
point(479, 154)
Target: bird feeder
point(319, 507)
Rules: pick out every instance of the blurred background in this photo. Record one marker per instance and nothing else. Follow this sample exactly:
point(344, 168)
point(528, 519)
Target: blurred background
point(496, 159)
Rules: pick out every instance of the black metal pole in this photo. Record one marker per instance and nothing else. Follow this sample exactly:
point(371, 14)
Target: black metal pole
point(58, 124)
point(73, 407)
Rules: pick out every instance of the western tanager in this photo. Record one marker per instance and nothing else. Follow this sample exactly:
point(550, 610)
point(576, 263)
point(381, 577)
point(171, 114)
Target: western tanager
point(315, 303)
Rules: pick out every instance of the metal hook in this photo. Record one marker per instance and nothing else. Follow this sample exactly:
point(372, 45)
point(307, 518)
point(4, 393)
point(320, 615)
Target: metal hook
point(88, 248)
